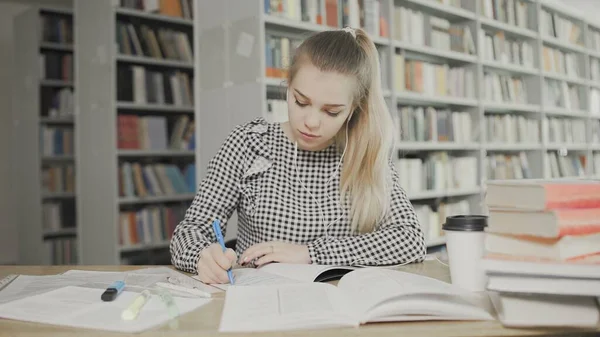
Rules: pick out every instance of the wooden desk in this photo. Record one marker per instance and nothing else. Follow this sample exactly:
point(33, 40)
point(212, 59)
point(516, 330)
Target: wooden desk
point(205, 321)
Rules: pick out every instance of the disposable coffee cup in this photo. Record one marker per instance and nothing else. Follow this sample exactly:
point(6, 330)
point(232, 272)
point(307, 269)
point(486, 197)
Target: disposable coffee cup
point(465, 245)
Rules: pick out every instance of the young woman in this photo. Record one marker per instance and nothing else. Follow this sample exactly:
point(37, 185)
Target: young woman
point(321, 188)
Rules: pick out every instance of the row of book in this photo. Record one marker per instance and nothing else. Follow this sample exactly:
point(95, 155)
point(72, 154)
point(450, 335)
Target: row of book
point(507, 166)
point(508, 128)
point(594, 69)
point(564, 95)
point(561, 62)
point(595, 132)
point(505, 88)
point(432, 218)
point(138, 180)
point(594, 101)
point(162, 43)
point(149, 225)
point(62, 251)
point(423, 29)
point(56, 141)
point(438, 171)
point(558, 26)
point(279, 51)
point(140, 85)
point(541, 252)
point(596, 164)
point(57, 102)
point(58, 179)
point(58, 215)
point(434, 79)
point(150, 133)
point(56, 28)
point(506, 49)
point(565, 130)
point(56, 66)
point(594, 39)
point(426, 124)
point(177, 8)
point(560, 165)
point(513, 12)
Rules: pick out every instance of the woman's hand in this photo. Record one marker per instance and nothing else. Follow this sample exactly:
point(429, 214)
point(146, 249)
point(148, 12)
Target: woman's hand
point(275, 251)
point(214, 263)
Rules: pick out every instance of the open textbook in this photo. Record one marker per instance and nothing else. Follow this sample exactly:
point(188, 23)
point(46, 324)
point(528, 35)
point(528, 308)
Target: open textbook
point(361, 296)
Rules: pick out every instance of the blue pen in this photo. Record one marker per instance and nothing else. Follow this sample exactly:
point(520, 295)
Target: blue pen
point(217, 229)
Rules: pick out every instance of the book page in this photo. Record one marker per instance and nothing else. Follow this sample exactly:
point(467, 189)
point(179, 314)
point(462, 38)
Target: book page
point(254, 277)
point(300, 272)
point(82, 308)
point(373, 287)
point(285, 307)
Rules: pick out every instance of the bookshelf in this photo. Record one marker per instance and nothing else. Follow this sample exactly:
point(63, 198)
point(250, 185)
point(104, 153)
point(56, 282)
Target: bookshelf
point(136, 144)
point(518, 124)
point(44, 128)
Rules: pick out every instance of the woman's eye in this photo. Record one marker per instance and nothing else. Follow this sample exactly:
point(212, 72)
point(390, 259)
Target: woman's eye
point(332, 113)
point(302, 105)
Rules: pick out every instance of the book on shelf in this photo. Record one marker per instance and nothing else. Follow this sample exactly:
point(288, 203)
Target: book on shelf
point(144, 86)
point(504, 166)
point(56, 66)
point(432, 218)
point(56, 141)
point(423, 29)
point(499, 47)
point(437, 79)
point(557, 165)
point(150, 133)
point(279, 51)
point(426, 124)
point(560, 62)
point(137, 180)
point(58, 215)
point(553, 24)
point(505, 88)
point(62, 251)
point(176, 8)
point(512, 12)
point(513, 129)
point(56, 28)
point(149, 225)
point(565, 95)
point(58, 179)
point(439, 171)
point(57, 102)
point(159, 43)
point(565, 130)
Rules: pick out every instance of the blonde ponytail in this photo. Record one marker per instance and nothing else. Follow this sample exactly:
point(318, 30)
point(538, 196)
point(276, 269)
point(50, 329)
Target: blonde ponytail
point(365, 178)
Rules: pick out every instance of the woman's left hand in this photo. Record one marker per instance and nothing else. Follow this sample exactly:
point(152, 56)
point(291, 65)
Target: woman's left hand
point(275, 251)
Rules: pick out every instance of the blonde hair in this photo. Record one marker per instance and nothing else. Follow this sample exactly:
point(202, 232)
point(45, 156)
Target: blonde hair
point(365, 176)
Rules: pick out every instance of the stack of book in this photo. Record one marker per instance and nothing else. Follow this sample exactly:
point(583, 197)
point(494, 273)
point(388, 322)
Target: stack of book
point(542, 251)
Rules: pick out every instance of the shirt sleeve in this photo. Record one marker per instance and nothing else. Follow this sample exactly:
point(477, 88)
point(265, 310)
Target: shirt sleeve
point(217, 198)
point(398, 239)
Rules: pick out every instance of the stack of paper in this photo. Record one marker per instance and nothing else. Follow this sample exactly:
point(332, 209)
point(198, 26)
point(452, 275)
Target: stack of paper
point(73, 299)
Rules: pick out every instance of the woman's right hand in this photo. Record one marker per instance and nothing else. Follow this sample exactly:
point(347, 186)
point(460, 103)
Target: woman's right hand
point(214, 263)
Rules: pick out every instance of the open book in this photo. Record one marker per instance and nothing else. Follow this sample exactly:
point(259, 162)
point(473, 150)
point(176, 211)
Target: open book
point(361, 296)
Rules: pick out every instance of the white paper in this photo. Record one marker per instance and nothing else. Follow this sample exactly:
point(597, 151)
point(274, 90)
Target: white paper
point(285, 307)
point(81, 307)
point(255, 277)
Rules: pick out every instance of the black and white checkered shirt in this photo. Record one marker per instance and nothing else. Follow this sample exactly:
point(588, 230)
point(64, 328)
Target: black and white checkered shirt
point(254, 172)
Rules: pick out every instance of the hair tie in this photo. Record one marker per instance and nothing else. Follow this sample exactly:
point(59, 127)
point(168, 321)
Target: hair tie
point(351, 31)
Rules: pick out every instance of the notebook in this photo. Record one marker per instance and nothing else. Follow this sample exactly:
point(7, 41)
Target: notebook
point(285, 273)
point(363, 295)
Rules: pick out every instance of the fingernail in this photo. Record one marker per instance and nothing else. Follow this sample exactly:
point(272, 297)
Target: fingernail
point(245, 259)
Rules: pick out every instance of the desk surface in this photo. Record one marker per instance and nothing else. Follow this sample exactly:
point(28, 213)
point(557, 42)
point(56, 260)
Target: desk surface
point(205, 321)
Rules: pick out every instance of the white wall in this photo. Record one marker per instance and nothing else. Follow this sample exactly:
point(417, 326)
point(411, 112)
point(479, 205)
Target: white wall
point(8, 220)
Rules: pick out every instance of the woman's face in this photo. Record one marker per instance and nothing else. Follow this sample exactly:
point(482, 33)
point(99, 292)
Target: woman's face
point(318, 105)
